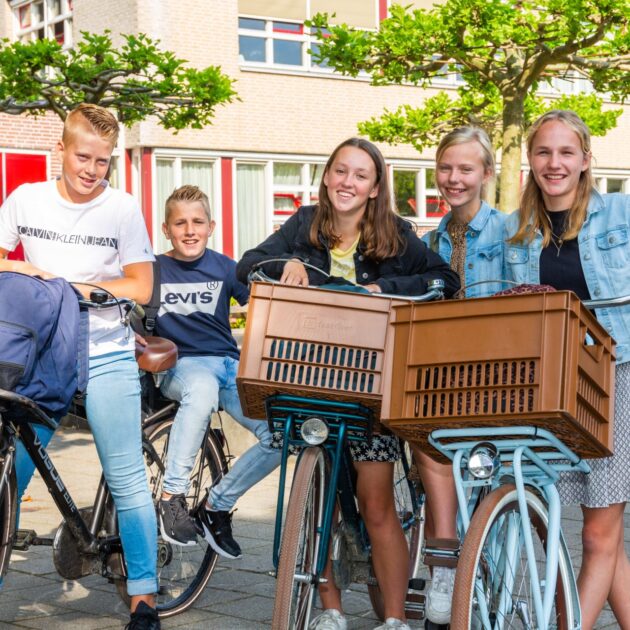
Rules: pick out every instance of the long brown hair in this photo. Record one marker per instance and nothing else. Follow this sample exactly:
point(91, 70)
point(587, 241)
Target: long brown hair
point(532, 213)
point(380, 237)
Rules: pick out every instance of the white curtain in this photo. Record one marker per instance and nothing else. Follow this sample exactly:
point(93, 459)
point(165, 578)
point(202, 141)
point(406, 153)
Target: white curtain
point(165, 184)
point(287, 174)
point(250, 206)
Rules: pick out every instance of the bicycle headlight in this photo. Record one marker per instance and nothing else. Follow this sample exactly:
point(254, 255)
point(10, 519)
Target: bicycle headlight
point(484, 460)
point(314, 431)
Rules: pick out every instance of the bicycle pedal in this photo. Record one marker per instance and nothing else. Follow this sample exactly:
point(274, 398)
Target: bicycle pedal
point(25, 538)
point(415, 606)
point(417, 584)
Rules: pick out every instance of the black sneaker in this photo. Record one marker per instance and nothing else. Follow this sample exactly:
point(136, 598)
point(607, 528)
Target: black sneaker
point(217, 527)
point(176, 524)
point(145, 618)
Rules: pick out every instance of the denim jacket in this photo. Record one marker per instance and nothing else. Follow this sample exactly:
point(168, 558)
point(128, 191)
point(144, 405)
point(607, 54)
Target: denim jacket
point(484, 249)
point(604, 243)
point(405, 274)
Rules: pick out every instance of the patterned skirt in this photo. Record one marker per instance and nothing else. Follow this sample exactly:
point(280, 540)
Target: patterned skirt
point(608, 482)
point(381, 448)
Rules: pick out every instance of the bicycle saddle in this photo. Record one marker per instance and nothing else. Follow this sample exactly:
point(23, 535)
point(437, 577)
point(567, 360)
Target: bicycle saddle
point(158, 355)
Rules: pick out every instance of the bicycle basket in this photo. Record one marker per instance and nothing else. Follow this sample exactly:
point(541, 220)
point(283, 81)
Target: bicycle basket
point(538, 359)
point(313, 342)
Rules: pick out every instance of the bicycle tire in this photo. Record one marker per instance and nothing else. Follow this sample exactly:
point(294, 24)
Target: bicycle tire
point(410, 506)
point(300, 542)
point(479, 575)
point(8, 511)
point(183, 572)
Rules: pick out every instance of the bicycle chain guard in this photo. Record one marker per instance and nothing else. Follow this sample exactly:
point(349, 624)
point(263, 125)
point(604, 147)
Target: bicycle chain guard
point(350, 562)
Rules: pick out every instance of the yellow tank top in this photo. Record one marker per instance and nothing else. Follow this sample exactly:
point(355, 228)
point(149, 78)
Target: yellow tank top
point(342, 262)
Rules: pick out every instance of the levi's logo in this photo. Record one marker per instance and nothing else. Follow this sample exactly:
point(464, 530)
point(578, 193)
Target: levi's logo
point(188, 298)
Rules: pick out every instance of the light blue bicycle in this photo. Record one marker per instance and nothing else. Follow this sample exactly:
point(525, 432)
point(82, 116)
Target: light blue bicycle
point(514, 568)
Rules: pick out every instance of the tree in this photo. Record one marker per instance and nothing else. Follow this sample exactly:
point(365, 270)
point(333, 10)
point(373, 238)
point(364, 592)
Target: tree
point(502, 51)
point(136, 79)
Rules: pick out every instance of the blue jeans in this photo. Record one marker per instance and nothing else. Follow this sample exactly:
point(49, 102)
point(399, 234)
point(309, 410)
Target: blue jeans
point(202, 384)
point(113, 411)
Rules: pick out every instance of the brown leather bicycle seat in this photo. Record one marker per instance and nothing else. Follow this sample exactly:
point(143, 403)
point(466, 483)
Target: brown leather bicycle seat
point(158, 355)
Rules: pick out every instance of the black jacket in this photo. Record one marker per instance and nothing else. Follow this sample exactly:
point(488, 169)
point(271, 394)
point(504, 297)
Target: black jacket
point(405, 274)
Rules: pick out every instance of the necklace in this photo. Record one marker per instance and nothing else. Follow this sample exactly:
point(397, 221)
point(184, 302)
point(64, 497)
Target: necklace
point(557, 240)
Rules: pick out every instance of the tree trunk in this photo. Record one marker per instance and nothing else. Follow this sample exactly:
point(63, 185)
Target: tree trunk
point(513, 119)
point(490, 193)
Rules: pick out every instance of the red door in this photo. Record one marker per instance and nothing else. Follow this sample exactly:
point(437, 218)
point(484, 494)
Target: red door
point(20, 168)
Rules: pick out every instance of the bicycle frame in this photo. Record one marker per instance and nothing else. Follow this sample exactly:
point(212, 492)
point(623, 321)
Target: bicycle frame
point(520, 463)
point(346, 422)
point(84, 533)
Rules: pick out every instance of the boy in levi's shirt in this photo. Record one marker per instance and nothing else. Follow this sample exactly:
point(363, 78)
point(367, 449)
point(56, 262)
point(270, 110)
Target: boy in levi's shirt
point(197, 284)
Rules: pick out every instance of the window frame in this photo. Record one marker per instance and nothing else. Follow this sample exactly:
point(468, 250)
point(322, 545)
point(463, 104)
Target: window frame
point(306, 37)
point(178, 156)
point(47, 23)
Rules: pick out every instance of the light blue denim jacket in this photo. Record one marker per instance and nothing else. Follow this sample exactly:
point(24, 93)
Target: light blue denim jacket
point(604, 244)
point(484, 249)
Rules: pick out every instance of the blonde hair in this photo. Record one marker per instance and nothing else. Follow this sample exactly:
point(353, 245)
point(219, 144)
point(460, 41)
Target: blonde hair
point(469, 134)
point(532, 213)
point(188, 194)
point(96, 118)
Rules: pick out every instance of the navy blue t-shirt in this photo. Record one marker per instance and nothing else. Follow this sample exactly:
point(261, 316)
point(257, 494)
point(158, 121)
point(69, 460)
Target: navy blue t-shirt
point(195, 304)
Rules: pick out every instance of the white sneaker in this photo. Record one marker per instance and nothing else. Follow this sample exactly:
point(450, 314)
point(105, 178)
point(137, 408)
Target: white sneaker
point(392, 622)
point(440, 595)
point(330, 619)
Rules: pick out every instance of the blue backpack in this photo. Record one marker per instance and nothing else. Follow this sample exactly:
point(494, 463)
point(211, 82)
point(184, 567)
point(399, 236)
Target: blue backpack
point(43, 340)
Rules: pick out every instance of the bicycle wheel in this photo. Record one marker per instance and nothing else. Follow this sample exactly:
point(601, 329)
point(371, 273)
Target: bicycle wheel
point(300, 543)
point(410, 506)
point(8, 508)
point(487, 579)
point(183, 572)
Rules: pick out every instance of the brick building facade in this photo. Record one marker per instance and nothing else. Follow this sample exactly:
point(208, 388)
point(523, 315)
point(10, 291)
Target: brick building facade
point(263, 155)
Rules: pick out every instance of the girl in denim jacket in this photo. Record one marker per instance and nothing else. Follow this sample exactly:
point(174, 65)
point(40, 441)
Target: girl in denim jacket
point(571, 237)
point(470, 238)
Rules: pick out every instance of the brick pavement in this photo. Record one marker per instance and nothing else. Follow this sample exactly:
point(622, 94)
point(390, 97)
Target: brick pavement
point(239, 594)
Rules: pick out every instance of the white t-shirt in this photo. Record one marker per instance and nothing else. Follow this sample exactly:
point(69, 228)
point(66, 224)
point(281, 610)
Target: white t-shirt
point(81, 242)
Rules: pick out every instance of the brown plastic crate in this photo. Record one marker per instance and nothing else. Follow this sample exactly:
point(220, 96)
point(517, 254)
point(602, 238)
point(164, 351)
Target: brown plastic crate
point(313, 342)
point(503, 361)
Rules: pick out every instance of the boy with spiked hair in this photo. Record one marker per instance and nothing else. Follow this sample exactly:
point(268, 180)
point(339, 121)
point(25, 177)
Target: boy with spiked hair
point(197, 285)
point(79, 228)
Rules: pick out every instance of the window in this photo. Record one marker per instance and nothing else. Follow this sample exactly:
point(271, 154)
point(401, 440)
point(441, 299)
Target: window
point(294, 184)
point(276, 43)
point(268, 193)
point(608, 184)
point(173, 172)
point(44, 19)
point(415, 195)
point(251, 226)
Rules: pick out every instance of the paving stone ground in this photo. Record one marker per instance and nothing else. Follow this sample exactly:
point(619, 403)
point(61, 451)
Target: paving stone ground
point(238, 596)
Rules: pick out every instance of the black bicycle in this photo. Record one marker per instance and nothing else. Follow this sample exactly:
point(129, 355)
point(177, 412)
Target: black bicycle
point(87, 542)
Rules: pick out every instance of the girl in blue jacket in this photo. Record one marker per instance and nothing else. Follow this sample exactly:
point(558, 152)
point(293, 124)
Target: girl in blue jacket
point(470, 239)
point(569, 236)
point(354, 234)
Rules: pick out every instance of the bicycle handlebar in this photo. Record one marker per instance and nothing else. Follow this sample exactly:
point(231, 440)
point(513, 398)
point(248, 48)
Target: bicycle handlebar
point(435, 288)
point(102, 299)
point(607, 302)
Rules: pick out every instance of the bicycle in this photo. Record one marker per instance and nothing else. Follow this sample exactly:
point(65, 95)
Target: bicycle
point(87, 541)
point(322, 430)
point(514, 568)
